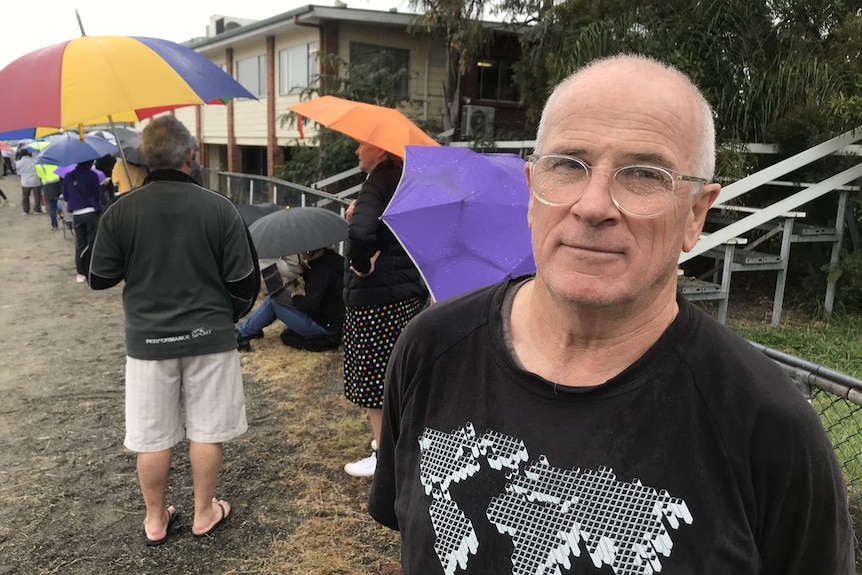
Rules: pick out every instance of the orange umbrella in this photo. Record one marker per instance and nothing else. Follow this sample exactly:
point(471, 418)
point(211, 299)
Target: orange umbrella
point(386, 128)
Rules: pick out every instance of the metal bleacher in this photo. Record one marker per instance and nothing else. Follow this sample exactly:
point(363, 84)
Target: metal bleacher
point(729, 223)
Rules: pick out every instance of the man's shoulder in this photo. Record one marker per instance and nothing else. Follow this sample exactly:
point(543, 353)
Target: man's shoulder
point(455, 318)
point(732, 374)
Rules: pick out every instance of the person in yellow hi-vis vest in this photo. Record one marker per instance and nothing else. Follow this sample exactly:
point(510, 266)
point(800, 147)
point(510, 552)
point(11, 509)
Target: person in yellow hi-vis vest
point(52, 188)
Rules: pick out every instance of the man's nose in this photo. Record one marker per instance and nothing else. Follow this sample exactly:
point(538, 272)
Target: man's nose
point(595, 203)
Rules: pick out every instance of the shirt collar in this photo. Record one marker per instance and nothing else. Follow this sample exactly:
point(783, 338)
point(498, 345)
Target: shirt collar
point(168, 176)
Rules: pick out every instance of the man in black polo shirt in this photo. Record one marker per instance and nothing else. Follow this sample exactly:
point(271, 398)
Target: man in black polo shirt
point(191, 272)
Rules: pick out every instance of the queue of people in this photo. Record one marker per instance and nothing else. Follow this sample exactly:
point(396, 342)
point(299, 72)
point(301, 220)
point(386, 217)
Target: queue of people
point(85, 195)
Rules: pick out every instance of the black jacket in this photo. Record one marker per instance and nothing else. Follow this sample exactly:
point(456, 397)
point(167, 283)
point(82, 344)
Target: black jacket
point(395, 278)
point(323, 286)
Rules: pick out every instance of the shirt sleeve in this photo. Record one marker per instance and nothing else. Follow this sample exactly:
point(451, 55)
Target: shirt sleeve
point(399, 373)
point(241, 270)
point(107, 260)
point(363, 226)
point(317, 279)
point(803, 521)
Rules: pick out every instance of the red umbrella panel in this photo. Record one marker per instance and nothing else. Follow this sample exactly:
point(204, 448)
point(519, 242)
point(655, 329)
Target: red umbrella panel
point(96, 79)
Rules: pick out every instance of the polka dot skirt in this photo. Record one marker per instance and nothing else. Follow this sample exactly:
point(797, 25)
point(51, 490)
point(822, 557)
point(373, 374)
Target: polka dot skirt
point(369, 336)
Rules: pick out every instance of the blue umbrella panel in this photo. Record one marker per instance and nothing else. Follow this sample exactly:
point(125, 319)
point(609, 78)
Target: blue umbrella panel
point(73, 150)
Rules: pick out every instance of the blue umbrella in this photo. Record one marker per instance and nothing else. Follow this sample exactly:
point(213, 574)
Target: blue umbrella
point(462, 217)
point(72, 150)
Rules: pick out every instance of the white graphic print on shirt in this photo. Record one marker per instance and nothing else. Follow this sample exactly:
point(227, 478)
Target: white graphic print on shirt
point(547, 511)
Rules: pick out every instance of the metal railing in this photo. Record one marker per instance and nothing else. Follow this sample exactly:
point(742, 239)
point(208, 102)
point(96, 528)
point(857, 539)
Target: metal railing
point(251, 189)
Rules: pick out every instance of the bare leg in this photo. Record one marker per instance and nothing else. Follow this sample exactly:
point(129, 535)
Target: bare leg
point(375, 416)
point(206, 461)
point(153, 471)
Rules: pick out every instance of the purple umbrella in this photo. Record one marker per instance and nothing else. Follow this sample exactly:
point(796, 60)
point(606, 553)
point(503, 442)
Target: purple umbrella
point(63, 170)
point(462, 217)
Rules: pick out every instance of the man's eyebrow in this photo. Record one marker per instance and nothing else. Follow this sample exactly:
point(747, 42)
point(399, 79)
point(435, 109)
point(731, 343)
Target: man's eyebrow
point(651, 158)
point(577, 152)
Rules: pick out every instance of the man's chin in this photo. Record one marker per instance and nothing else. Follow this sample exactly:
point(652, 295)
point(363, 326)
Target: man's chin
point(588, 292)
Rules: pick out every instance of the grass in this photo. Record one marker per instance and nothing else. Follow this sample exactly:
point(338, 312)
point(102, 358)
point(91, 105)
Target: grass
point(835, 344)
point(329, 531)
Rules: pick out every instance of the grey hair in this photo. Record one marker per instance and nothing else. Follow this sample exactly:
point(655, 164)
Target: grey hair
point(165, 143)
point(704, 160)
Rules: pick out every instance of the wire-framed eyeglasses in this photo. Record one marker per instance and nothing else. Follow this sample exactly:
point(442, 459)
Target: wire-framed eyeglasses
point(639, 191)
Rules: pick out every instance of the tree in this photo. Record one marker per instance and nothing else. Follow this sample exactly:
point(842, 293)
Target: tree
point(370, 80)
point(761, 64)
point(459, 24)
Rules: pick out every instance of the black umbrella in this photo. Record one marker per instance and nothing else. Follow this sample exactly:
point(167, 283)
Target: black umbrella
point(133, 154)
point(252, 212)
point(297, 230)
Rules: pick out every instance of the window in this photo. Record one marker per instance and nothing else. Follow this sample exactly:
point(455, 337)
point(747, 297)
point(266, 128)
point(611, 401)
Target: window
point(251, 73)
point(396, 61)
point(297, 68)
point(497, 80)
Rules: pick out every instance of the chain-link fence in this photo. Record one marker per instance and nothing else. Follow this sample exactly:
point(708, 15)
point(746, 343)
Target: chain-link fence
point(842, 418)
point(837, 398)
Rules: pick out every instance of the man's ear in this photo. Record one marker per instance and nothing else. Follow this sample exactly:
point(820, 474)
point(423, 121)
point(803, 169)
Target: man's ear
point(700, 205)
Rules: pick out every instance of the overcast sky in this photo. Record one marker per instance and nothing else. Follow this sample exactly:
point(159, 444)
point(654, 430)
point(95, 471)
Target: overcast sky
point(28, 26)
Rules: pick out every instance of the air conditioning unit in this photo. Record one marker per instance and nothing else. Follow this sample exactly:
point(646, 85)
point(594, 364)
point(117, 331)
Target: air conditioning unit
point(477, 121)
point(220, 24)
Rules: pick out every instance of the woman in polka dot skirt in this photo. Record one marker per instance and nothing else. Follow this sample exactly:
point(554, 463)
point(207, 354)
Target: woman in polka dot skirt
point(382, 292)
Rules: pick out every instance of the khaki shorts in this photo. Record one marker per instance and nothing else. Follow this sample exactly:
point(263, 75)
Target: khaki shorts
point(209, 389)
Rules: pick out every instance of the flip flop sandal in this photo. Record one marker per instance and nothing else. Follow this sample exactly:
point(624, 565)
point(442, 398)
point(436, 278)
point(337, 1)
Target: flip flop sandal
point(172, 518)
point(224, 516)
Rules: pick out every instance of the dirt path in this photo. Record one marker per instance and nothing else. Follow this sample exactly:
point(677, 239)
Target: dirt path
point(69, 500)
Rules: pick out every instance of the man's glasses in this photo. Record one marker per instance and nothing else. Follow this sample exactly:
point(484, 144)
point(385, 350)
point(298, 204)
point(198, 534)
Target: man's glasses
point(639, 191)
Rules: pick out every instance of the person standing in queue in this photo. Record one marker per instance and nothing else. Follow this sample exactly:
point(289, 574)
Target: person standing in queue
point(382, 292)
point(190, 272)
point(83, 194)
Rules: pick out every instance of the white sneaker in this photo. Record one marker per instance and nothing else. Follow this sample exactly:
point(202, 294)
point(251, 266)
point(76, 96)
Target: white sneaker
point(373, 445)
point(80, 278)
point(363, 467)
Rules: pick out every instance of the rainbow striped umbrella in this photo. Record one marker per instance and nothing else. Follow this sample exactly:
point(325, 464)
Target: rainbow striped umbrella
point(106, 79)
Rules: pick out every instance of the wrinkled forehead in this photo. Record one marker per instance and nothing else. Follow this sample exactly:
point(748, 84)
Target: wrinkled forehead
point(632, 102)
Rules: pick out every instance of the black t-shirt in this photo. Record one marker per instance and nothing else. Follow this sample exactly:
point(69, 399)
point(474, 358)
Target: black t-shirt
point(699, 458)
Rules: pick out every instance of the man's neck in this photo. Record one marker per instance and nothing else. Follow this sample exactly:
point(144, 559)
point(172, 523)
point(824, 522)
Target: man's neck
point(573, 346)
